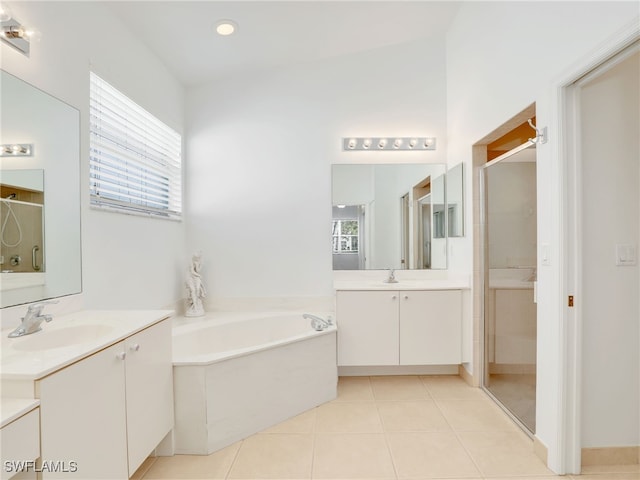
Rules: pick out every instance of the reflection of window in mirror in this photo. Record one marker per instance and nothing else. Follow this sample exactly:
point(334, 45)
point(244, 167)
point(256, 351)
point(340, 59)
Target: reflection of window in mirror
point(346, 237)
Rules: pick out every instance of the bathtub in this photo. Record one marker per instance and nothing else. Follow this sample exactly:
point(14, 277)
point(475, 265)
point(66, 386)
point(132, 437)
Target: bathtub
point(236, 374)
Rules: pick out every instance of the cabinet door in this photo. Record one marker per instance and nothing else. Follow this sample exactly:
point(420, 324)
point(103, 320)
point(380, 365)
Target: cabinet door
point(82, 417)
point(367, 327)
point(431, 327)
point(149, 387)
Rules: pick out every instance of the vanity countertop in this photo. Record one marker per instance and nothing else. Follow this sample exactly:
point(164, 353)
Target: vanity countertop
point(412, 284)
point(13, 408)
point(69, 338)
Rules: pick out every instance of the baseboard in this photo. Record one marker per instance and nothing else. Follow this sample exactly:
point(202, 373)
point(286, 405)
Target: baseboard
point(467, 377)
point(540, 449)
point(365, 371)
point(611, 456)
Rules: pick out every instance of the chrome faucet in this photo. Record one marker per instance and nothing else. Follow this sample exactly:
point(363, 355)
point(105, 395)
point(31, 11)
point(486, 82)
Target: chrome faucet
point(318, 323)
point(392, 276)
point(32, 320)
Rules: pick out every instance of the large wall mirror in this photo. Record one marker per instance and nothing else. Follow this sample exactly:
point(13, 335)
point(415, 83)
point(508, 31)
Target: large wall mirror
point(389, 216)
point(40, 204)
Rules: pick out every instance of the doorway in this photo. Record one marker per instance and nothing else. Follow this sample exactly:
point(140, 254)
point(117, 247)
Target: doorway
point(603, 181)
point(505, 176)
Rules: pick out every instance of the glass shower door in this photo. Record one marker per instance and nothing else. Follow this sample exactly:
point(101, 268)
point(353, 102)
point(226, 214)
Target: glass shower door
point(510, 272)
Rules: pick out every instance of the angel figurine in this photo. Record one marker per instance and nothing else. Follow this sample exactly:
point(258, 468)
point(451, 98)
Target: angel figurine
point(195, 288)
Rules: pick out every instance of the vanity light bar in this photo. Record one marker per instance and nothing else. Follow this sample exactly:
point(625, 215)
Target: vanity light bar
point(16, 150)
point(389, 143)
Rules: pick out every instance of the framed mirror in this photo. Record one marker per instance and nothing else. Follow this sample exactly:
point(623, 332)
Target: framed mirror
point(40, 207)
point(385, 216)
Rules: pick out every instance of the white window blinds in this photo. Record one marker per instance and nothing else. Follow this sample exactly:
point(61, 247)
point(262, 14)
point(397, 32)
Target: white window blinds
point(135, 163)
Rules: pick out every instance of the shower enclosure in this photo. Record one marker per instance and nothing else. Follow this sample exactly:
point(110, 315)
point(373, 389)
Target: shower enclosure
point(510, 232)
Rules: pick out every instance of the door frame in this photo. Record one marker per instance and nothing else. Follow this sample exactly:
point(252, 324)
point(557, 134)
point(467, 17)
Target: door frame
point(566, 457)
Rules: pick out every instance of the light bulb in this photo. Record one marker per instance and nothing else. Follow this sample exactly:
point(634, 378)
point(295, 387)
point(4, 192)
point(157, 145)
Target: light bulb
point(397, 143)
point(382, 143)
point(366, 143)
point(352, 143)
point(32, 34)
point(413, 142)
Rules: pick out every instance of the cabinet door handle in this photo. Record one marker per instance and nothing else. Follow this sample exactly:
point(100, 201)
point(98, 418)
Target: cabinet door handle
point(393, 297)
point(406, 297)
point(135, 347)
point(121, 355)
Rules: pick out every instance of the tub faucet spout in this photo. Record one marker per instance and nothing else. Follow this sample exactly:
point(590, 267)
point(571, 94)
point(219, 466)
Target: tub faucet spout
point(318, 323)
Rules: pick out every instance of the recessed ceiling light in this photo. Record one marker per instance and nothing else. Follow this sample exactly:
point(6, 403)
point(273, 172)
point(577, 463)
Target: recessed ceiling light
point(226, 27)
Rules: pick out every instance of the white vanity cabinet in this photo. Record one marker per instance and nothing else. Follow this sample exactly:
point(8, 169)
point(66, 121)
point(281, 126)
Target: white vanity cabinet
point(368, 328)
point(20, 439)
point(107, 412)
point(430, 327)
point(399, 327)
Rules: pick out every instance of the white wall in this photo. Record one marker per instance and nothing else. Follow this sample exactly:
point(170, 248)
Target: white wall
point(127, 262)
point(260, 153)
point(501, 57)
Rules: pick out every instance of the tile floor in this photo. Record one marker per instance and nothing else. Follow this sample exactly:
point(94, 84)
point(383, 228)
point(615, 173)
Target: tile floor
point(403, 427)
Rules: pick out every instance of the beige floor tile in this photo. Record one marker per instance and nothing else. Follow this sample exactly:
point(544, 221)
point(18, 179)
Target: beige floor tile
point(354, 389)
point(503, 453)
point(635, 468)
point(534, 477)
point(607, 476)
point(398, 388)
point(430, 455)
point(352, 456)
point(214, 466)
point(303, 423)
point(480, 414)
point(274, 456)
point(450, 387)
point(423, 416)
point(348, 417)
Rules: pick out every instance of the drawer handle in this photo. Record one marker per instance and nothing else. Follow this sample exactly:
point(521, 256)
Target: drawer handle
point(135, 347)
point(121, 355)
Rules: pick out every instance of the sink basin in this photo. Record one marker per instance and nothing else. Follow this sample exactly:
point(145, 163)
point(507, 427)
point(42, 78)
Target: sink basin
point(61, 337)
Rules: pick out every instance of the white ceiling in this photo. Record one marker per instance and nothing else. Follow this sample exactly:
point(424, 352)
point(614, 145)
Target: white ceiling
point(272, 34)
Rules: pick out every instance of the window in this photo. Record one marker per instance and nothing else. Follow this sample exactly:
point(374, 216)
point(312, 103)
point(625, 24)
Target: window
point(345, 236)
point(135, 163)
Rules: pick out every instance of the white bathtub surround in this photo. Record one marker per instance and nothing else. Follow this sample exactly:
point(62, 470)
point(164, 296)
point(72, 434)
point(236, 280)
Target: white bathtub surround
point(270, 304)
point(238, 373)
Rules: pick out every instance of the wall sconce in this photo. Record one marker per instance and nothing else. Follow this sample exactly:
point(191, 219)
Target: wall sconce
point(14, 33)
point(16, 150)
point(389, 143)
